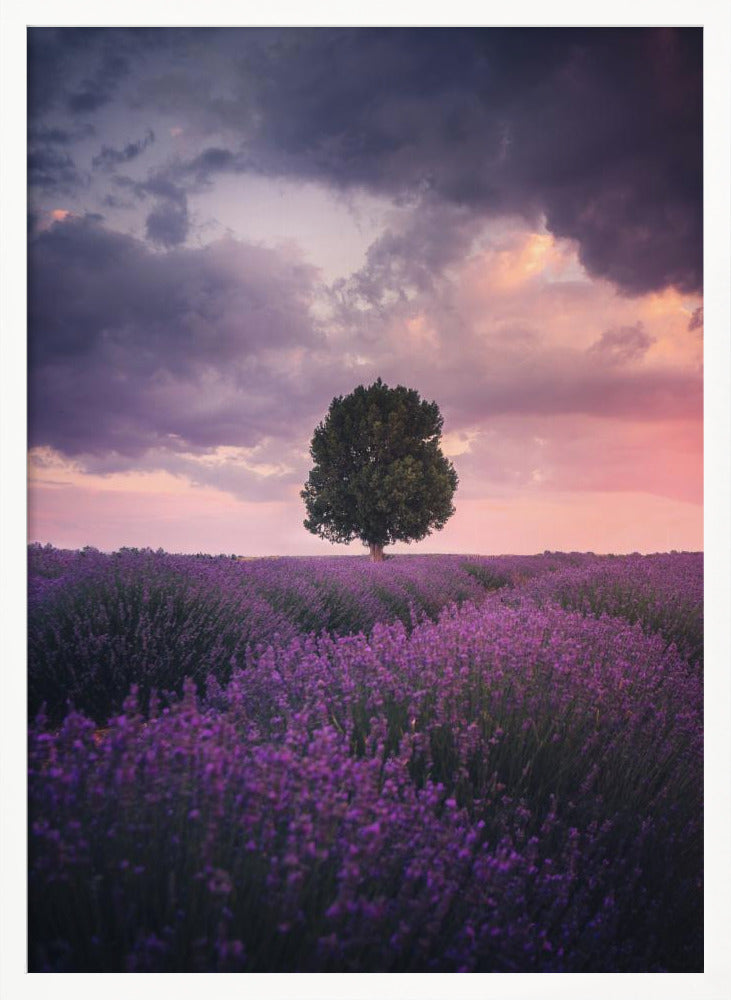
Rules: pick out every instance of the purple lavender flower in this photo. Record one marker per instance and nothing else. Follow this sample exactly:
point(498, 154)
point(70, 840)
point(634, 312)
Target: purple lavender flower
point(492, 782)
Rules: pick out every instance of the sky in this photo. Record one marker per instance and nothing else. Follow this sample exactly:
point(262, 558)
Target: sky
point(229, 227)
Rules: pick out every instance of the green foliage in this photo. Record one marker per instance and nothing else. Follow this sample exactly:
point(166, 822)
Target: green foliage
point(379, 473)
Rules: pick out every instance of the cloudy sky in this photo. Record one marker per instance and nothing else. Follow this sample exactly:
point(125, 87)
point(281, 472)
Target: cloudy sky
point(229, 227)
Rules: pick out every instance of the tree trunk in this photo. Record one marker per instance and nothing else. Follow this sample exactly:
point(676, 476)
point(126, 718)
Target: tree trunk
point(376, 552)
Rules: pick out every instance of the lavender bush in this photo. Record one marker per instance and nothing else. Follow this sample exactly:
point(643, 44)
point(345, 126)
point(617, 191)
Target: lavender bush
point(513, 786)
point(138, 618)
point(663, 592)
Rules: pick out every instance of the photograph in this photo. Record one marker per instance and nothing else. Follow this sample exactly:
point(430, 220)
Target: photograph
point(365, 500)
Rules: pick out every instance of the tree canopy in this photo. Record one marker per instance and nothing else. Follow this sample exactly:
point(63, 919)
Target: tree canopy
point(379, 473)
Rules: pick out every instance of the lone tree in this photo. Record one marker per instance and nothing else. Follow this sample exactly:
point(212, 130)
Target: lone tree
point(379, 473)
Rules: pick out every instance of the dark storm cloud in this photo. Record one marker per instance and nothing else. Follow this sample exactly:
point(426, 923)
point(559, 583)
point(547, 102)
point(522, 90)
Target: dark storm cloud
point(599, 131)
point(112, 201)
point(50, 165)
point(60, 136)
point(109, 157)
point(214, 160)
point(130, 349)
point(168, 223)
point(696, 320)
point(179, 177)
point(159, 184)
point(52, 170)
point(48, 67)
point(94, 93)
point(80, 69)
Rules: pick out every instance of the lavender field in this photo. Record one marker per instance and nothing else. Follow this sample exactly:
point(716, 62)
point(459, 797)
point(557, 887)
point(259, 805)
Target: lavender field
point(435, 763)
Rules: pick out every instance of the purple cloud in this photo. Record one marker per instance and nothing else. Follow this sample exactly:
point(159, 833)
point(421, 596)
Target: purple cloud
point(131, 349)
point(109, 157)
point(168, 223)
point(52, 170)
point(696, 320)
point(624, 344)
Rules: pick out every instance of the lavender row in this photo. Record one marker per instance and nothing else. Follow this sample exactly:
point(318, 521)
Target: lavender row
point(663, 592)
point(508, 789)
point(99, 623)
